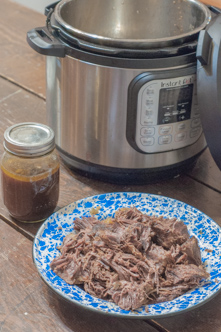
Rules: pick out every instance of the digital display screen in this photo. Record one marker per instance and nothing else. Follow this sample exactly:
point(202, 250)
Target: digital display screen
point(175, 104)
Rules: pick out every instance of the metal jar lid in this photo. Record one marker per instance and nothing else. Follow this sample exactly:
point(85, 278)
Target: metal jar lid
point(29, 139)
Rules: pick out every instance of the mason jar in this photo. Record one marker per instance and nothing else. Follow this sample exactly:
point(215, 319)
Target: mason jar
point(30, 172)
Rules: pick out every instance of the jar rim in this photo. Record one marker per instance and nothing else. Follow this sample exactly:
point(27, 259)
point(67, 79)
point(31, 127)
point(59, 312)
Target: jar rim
point(29, 139)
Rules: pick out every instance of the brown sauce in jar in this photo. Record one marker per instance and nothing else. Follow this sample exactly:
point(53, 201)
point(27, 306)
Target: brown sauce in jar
point(30, 198)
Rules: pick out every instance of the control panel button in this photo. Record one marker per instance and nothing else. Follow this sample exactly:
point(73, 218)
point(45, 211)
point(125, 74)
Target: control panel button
point(147, 131)
point(150, 91)
point(165, 130)
point(166, 139)
point(149, 101)
point(196, 110)
point(195, 122)
point(148, 112)
point(195, 132)
point(147, 121)
point(180, 137)
point(147, 141)
point(181, 126)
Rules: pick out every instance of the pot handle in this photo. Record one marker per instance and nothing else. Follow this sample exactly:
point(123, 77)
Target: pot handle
point(43, 42)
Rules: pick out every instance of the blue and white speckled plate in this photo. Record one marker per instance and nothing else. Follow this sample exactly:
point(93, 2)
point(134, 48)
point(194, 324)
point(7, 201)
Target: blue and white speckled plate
point(59, 224)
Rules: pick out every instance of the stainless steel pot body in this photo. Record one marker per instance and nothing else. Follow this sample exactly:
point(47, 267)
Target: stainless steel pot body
point(121, 84)
point(87, 106)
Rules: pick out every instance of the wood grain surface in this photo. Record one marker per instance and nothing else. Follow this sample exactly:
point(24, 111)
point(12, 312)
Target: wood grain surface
point(18, 62)
point(215, 3)
point(207, 172)
point(26, 303)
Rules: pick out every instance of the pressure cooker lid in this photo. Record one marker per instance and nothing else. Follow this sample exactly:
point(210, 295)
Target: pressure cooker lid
point(132, 23)
point(209, 86)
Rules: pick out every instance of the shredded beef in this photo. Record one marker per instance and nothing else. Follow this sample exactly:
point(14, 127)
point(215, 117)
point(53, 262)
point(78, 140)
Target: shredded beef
point(131, 259)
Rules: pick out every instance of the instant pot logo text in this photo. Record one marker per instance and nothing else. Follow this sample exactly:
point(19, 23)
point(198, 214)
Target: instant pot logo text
point(178, 82)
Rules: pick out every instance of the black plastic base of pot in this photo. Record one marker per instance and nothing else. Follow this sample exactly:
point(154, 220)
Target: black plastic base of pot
point(126, 175)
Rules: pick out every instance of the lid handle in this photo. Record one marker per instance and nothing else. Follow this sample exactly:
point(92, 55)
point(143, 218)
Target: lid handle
point(209, 86)
point(204, 47)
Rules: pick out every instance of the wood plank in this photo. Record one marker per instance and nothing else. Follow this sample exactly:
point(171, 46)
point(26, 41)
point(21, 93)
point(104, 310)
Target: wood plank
point(215, 3)
point(18, 105)
point(27, 304)
point(18, 62)
point(207, 172)
point(203, 319)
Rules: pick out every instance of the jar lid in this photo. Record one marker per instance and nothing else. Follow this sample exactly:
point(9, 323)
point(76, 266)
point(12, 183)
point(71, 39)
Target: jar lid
point(29, 139)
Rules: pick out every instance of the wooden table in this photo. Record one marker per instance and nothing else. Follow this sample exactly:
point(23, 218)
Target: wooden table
point(26, 303)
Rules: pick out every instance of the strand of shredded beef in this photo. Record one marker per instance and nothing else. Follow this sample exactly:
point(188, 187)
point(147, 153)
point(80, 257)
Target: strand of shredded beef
point(132, 259)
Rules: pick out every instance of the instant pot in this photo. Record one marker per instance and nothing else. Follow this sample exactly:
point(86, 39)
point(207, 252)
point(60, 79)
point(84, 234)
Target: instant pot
point(132, 85)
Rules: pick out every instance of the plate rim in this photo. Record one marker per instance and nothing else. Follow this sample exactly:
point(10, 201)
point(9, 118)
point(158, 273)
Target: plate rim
point(134, 315)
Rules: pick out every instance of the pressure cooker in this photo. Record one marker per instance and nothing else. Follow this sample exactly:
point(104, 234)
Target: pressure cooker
point(132, 85)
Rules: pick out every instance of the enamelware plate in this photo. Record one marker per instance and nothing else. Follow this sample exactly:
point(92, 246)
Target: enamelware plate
point(60, 223)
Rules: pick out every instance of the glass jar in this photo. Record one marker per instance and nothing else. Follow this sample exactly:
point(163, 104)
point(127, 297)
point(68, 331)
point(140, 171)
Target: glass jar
point(30, 172)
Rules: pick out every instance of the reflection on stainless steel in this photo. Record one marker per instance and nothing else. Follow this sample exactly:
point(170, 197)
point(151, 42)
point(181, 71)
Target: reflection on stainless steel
point(130, 23)
point(87, 108)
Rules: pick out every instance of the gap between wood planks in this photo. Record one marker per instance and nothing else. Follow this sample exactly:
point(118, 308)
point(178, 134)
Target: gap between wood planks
point(22, 231)
point(156, 325)
point(23, 87)
point(203, 183)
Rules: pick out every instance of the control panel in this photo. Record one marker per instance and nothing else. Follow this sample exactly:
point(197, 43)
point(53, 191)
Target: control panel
point(164, 113)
